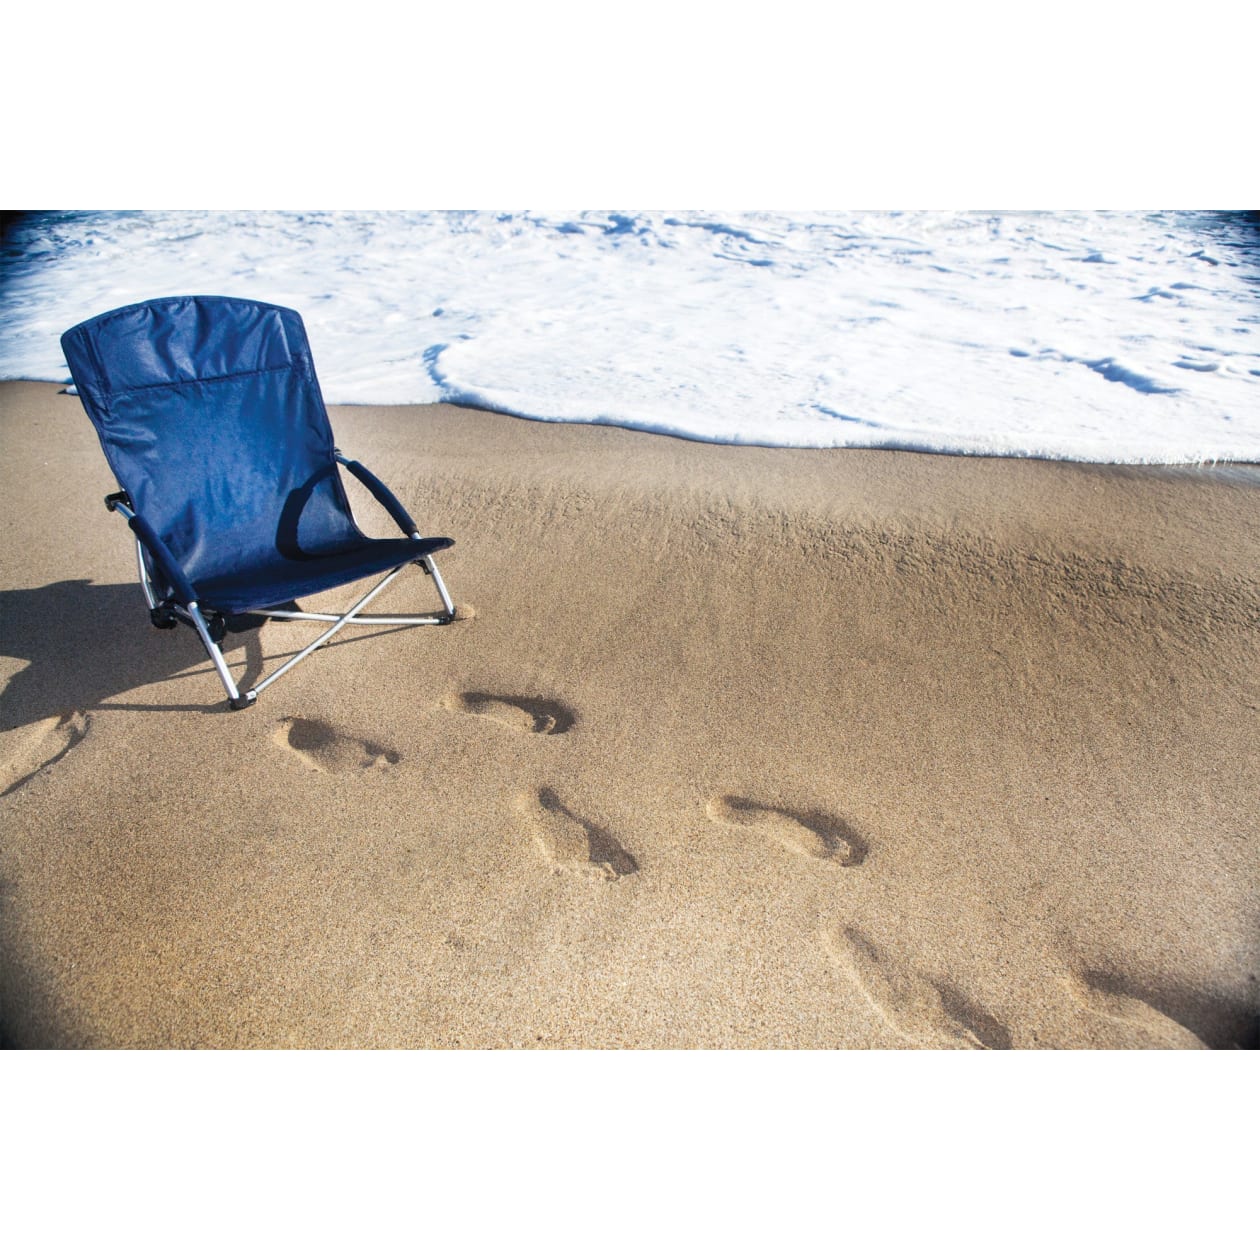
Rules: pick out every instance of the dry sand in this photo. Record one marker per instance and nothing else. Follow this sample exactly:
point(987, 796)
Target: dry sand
point(731, 747)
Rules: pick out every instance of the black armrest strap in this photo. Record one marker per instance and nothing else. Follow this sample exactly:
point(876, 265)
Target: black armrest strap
point(383, 495)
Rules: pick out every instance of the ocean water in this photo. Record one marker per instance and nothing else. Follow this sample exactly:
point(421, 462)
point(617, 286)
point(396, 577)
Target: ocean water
point(1121, 337)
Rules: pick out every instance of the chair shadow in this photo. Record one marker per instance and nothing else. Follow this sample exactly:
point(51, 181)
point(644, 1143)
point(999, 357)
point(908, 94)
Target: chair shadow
point(87, 644)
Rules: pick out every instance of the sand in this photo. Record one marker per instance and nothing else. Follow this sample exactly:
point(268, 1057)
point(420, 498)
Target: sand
point(730, 747)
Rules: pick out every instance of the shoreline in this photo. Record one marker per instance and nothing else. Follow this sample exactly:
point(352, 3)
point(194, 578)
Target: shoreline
point(1247, 470)
point(732, 746)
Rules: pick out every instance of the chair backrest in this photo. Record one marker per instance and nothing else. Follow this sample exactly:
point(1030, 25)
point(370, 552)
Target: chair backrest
point(210, 415)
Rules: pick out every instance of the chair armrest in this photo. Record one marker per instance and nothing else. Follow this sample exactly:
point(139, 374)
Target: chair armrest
point(382, 493)
point(156, 548)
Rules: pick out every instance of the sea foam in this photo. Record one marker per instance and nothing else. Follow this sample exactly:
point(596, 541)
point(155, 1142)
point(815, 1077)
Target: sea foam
point(1116, 337)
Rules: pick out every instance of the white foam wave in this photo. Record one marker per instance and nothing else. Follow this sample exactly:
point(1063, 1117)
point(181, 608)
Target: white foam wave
point(1117, 337)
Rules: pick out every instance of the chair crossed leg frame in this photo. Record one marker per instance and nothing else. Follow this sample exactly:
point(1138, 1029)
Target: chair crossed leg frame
point(237, 699)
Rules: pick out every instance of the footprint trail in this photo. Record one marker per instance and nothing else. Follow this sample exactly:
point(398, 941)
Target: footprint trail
point(810, 834)
point(570, 842)
point(532, 714)
point(1136, 1025)
point(49, 741)
point(320, 746)
point(925, 1012)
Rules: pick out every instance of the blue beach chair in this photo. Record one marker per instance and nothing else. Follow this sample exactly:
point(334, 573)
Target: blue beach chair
point(212, 420)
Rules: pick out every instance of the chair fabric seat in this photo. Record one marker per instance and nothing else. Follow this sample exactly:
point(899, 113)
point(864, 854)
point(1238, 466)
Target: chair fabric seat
point(283, 579)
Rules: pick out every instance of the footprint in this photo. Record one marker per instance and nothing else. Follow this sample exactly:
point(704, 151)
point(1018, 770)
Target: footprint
point(1137, 1024)
point(812, 834)
point(320, 746)
point(926, 1012)
point(520, 713)
point(571, 842)
point(48, 742)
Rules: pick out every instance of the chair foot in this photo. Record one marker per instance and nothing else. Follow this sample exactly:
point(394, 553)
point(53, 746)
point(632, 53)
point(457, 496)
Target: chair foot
point(243, 701)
